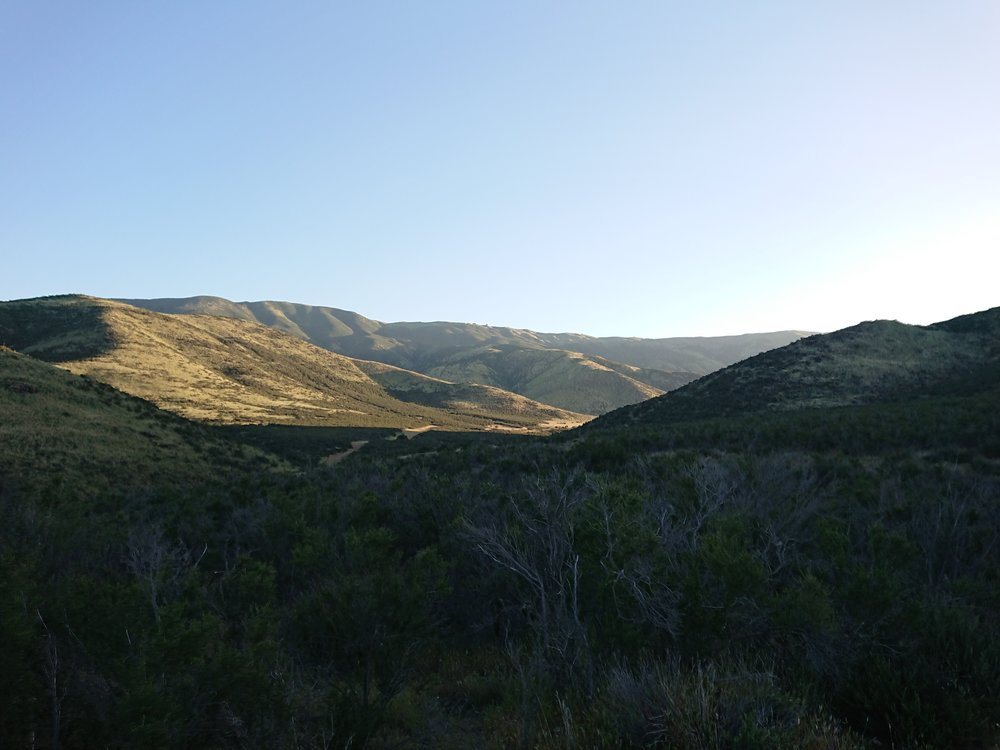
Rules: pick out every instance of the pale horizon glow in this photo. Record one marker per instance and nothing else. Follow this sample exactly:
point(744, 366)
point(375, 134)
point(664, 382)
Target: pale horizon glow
point(644, 169)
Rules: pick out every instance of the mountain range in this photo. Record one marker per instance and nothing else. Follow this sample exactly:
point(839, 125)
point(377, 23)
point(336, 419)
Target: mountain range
point(227, 370)
point(213, 360)
point(578, 373)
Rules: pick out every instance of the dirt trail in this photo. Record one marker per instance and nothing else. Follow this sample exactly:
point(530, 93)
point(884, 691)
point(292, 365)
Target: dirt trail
point(336, 458)
point(412, 432)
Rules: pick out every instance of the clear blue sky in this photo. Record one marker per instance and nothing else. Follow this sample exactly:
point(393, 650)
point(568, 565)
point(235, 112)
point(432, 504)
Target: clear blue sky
point(613, 168)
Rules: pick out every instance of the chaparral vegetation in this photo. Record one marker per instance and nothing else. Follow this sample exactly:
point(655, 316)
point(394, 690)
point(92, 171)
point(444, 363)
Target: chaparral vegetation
point(805, 554)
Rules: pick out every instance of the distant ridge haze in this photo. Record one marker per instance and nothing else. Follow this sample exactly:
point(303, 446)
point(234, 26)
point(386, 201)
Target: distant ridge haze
point(306, 320)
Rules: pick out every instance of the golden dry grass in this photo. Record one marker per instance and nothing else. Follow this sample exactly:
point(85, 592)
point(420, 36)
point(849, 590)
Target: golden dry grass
point(233, 371)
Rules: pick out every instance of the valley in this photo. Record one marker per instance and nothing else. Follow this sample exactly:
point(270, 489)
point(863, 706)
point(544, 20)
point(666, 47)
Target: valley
point(216, 534)
point(575, 372)
point(499, 376)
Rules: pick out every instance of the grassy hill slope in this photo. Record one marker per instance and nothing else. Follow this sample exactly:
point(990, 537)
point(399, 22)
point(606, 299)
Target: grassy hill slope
point(569, 380)
point(696, 354)
point(631, 369)
point(79, 435)
point(229, 370)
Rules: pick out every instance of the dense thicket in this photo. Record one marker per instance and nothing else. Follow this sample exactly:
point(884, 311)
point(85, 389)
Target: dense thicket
point(826, 579)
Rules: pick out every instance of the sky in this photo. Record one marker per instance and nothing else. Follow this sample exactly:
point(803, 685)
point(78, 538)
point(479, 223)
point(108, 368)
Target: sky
point(611, 168)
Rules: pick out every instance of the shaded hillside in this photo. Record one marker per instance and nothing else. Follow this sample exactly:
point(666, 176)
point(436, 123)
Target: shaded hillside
point(871, 362)
point(52, 330)
point(236, 371)
point(67, 434)
point(468, 351)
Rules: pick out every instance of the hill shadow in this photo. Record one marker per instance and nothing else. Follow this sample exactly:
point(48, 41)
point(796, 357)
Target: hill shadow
point(55, 329)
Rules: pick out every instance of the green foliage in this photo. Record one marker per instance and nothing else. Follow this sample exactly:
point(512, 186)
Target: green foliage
point(709, 705)
point(823, 578)
point(365, 618)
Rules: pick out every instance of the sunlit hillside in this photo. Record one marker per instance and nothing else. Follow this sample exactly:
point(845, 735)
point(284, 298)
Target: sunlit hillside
point(235, 371)
point(580, 373)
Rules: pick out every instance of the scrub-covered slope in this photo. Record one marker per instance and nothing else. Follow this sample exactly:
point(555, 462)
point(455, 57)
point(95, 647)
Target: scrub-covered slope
point(871, 362)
